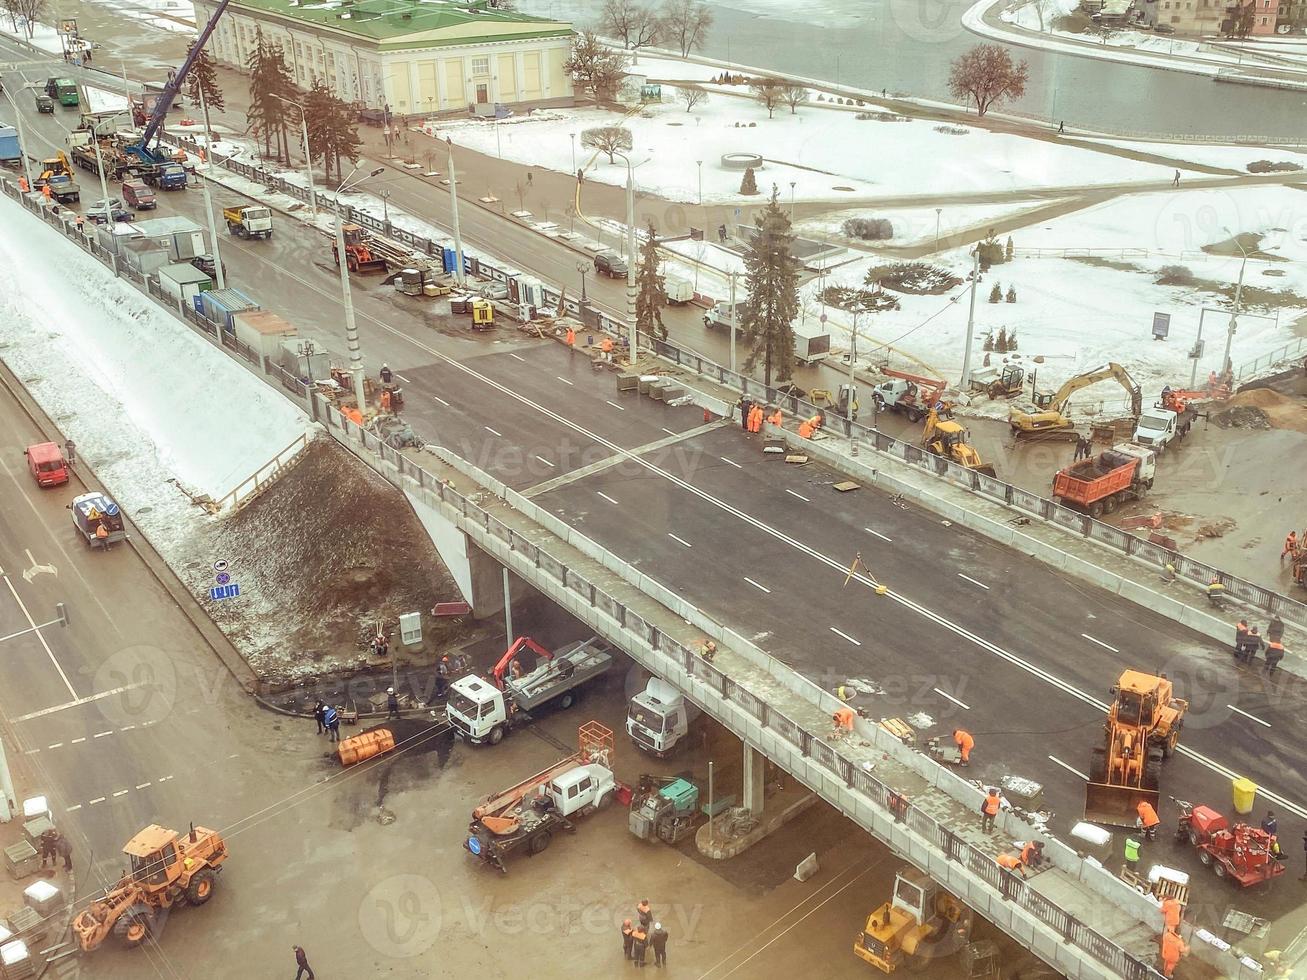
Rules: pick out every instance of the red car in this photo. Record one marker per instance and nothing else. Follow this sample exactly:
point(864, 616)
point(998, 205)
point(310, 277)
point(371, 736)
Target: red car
point(46, 463)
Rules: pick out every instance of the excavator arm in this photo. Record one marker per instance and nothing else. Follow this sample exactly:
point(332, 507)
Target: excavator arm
point(1110, 370)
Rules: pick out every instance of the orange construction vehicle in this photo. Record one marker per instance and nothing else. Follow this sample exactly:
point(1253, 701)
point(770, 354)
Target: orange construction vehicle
point(357, 251)
point(1245, 855)
point(166, 868)
point(1143, 728)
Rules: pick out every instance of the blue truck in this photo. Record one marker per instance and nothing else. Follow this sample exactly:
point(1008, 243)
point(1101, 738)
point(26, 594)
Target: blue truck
point(166, 176)
point(11, 154)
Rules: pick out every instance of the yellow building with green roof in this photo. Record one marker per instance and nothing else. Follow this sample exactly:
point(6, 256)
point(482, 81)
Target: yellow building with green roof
point(419, 57)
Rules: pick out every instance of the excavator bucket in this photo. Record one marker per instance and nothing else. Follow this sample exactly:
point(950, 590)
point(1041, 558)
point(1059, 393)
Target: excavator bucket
point(1116, 806)
point(986, 468)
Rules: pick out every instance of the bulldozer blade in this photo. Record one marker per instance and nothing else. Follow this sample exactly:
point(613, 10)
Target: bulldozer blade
point(1116, 806)
point(987, 469)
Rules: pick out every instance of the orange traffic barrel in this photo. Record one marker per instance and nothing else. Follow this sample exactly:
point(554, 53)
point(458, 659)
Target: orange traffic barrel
point(358, 748)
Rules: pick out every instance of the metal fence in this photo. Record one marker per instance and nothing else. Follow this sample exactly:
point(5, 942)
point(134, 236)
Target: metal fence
point(1015, 497)
point(1291, 349)
point(811, 746)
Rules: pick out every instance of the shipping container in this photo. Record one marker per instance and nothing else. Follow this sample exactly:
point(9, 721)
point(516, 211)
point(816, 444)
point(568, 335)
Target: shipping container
point(182, 237)
point(262, 330)
point(143, 256)
point(10, 152)
point(183, 282)
point(306, 362)
point(113, 237)
point(221, 304)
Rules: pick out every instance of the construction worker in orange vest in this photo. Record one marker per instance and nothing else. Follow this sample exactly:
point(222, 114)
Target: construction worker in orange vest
point(1173, 947)
point(805, 429)
point(1274, 654)
point(758, 413)
point(989, 808)
point(1171, 912)
point(776, 418)
point(45, 191)
point(385, 400)
point(23, 185)
point(571, 337)
point(1012, 863)
point(965, 744)
point(607, 348)
point(1032, 854)
point(843, 719)
point(1290, 544)
point(1148, 819)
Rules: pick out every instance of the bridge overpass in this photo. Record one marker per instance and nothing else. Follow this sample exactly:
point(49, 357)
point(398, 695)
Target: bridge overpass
point(1077, 917)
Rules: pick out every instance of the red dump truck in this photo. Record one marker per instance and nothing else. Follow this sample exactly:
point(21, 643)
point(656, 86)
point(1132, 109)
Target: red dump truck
point(1101, 484)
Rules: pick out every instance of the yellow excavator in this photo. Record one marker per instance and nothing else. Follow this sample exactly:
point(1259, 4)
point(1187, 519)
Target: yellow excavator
point(947, 438)
point(922, 922)
point(1047, 411)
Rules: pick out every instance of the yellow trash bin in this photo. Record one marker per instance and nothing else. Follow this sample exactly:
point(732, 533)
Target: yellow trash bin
point(1245, 793)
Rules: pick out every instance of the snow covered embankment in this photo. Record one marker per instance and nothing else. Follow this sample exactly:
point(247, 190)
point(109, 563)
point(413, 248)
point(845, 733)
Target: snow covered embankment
point(150, 404)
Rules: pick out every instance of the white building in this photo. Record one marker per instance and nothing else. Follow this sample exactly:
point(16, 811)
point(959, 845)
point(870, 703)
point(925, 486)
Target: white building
point(415, 56)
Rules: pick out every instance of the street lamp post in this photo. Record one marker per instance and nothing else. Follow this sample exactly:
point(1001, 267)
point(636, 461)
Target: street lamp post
point(213, 232)
point(351, 326)
point(582, 268)
point(573, 135)
point(630, 256)
point(965, 383)
point(1238, 298)
point(700, 163)
point(937, 212)
point(385, 206)
point(453, 204)
point(308, 161)
point(792, 183)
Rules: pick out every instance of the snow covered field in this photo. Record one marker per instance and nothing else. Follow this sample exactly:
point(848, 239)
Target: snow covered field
point(1231, 157)
point(916, 226)
point(826, 153)
point(149, 403)
point(1076, 314)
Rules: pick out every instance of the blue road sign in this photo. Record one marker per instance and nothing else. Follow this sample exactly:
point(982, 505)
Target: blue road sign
point(223, 578)
point(225, 591)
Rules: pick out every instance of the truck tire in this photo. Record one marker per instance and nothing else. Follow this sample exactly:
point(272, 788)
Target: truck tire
point(539, 842)
point(1219, 867)
point(1153, 769)
point(231, 228)
point(603, 801)
point(134, 926)
point(1096, 509)
point(1204, 856)
point(915, 414)
point(1172, 740)
point(496, 735)
point(567, 700)
point(242, 231)
point(1194, 840)
point(268, 234)
point(200, 889)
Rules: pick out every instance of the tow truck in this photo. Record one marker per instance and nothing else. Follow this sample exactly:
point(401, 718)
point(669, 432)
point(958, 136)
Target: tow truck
point(527, 676)
point(527, 816)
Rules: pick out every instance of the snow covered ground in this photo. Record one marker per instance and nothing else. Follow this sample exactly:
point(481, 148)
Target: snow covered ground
point(165, 15)
point(1075, 314)
point(916, 226)
point(827, 153)
point(1230, 156)
point(131, 386)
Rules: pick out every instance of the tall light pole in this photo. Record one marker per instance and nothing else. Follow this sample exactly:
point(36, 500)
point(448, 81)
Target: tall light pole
point(1238, 297)
point(208, 197)
point(700, 163)
point(937, 213)
point(630, 255)
point(453, 204)
point(965, 383)
point(22, 139)
point(385, 206)
point(351, 326)
point(308, 161)
point(573, 135)
point(582, 268)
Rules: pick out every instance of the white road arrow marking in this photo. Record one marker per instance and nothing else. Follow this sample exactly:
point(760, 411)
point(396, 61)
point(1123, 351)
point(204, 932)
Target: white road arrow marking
point(35, 570)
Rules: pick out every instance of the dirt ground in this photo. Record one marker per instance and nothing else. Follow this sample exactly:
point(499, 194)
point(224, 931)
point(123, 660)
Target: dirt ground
point(310, 600)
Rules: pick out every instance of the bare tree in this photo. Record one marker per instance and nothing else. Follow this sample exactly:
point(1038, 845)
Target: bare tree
point(635, 24)
point(794, 96)
point(1045, 9)
point(609, 139)
point(691, 96)
point(29, 11)
point(596, 66)
point(988, 76)
point(686, 23)
point(768, 92)
point(1241, 24)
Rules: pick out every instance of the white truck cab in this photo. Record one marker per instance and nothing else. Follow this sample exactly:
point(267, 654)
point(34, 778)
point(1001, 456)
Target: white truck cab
point(1157, 427)
point(659, 718)
point(576, 789)
point(478, 710)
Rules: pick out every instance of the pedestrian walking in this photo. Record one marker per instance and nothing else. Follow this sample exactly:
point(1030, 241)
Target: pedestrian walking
point(640, 944)
point(1252, 645)
point(1172, 911)
point(331, 719)
point(64, 848)
point(386, 374)
point(628, 939)
point(1173, 947)
point(1061, 128)
point(1274, 654)
point(746, 407)
point(989, 808)
point(1290, 544)
point(1240, 638)
point(319, 710)
point(1275, 630)
point(645, 912)
point(392, 704)
point(442, 677)
point(658, 940)
point(302, 963)
point(1175, 181)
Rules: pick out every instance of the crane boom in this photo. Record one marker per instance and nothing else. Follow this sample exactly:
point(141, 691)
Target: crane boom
point(164, 102)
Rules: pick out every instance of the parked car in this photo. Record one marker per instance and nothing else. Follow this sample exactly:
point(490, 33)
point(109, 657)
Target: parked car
point(208, 266)
point(610, 264)
point(96, 211)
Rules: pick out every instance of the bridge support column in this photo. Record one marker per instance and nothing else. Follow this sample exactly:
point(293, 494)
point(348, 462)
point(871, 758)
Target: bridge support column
point(755, 768)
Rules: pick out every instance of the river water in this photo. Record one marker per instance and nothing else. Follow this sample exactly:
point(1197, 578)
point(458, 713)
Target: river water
point(906, 46)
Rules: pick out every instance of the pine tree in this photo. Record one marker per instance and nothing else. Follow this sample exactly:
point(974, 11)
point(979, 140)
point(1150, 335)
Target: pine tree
point(269, 77)
point(989, 343)
point(651, 295)
point(1011, 298)
point(1007, 251)
point(1012, 341)
point(749, 185)
point(996, 294)
point(772, 278)
point(1000, 342)
point(204, 79)
point(333, 130)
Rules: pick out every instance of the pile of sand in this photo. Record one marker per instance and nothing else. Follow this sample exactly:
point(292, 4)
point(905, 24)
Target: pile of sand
point(1280, 411)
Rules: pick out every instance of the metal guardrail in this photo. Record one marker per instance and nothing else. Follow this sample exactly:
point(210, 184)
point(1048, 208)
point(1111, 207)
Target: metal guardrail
point(269, 472)
point(1289, 350)
point(809, 745)
point(1017, 498)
